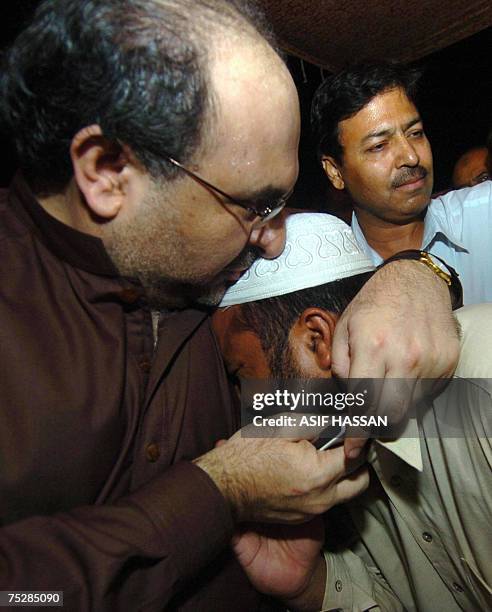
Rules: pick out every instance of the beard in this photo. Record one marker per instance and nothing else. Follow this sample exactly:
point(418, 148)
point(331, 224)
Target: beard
point(151, 249)
point(165, 294)
point(168, 294)
point(211, 294)
point(286, 367)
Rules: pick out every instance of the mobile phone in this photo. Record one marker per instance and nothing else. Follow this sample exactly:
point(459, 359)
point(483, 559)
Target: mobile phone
point(322, 443)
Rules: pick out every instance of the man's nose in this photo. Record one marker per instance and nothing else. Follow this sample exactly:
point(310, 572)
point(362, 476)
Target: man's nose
point(407, 154)
point(270, 238)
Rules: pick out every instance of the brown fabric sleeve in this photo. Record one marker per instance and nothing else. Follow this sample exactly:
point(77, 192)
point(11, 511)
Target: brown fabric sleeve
point(133, 555)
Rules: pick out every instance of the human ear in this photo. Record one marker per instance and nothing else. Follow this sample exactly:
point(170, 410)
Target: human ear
point(332, 171)
point(99, 170)
point(313, 334)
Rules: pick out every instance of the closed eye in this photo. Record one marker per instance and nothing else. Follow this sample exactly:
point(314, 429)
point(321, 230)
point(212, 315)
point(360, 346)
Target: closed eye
point(377, 147)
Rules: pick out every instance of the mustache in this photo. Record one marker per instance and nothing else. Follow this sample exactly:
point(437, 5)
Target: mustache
point(408, 175)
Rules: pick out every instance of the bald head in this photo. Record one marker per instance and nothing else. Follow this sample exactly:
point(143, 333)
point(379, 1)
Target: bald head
point(254, 102)
point(471, 168)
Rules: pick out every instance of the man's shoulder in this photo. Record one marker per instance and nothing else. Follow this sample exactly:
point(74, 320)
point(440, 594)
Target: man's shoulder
point(461, 199)
point(463, 215)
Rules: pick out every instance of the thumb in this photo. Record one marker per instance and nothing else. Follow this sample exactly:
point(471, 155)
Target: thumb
point(353, 447)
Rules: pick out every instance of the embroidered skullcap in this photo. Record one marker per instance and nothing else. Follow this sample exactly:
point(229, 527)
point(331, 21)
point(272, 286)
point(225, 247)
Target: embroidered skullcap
point(319, 249)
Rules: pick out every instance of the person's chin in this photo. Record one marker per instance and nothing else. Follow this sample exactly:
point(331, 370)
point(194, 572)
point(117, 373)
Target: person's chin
point(212, 293)
point(419, 192)
point(208, 295)
point(413, 204)
point(178, 295)
point(211, 299)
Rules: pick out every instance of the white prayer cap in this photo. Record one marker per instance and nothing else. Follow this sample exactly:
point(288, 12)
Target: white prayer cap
point(319, 249)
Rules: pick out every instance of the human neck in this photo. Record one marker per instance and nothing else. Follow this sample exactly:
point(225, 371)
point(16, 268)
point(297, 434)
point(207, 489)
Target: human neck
point(68, 208)
point(389, 238)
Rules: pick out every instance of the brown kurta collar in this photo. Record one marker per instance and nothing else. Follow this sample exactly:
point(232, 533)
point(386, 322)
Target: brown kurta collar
point(76, 248)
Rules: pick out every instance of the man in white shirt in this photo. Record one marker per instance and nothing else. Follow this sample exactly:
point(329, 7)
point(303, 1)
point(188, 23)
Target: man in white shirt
point(371, 142)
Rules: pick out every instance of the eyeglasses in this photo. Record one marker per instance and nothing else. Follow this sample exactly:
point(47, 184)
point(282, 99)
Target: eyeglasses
point(265, 212)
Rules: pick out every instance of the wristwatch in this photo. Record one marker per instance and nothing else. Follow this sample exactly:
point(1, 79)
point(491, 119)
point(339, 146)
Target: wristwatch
point(450, 277)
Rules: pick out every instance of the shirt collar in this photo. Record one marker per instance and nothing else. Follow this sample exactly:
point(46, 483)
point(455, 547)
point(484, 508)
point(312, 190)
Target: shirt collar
point(80, 250)
point(407, 446)
point(433, 231)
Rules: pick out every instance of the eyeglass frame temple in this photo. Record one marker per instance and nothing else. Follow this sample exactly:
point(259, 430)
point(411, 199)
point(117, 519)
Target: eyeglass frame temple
point(262, 214)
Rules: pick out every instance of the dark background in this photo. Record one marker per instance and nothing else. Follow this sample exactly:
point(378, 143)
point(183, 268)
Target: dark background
point(455, 103)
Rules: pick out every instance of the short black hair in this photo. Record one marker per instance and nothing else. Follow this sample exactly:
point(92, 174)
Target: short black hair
point(272, 319)
point(137, 68)
point(344, 94)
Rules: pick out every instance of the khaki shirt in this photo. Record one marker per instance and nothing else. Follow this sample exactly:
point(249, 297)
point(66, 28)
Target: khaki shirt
point(424, 527)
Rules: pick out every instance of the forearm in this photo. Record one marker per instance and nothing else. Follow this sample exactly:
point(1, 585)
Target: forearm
point(102, 556)
point(415, 275)
point(400, 327)
point(407, 309)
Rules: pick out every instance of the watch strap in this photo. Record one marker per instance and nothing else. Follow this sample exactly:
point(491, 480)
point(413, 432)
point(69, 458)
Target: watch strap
point(451, 277)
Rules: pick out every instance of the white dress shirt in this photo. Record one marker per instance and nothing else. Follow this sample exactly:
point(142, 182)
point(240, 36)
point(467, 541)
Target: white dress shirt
point(458, 229)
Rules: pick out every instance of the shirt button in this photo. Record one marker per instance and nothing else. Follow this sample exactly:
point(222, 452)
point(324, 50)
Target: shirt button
point(396, 480)
point(338, 586)
point(427, 536)
point(152, 452)
point(457, 587)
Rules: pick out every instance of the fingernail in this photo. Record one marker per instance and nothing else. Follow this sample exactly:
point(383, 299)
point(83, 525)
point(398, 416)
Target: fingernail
point(354, 453)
